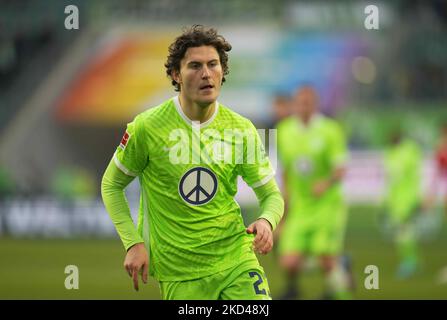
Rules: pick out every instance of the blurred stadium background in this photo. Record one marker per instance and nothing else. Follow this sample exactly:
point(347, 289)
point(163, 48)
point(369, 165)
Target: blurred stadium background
point(66, 95)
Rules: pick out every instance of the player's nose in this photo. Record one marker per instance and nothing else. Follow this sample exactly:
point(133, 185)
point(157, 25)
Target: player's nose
point(205, 73)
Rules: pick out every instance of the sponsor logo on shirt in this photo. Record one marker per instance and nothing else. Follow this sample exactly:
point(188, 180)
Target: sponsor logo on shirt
point(124, 140)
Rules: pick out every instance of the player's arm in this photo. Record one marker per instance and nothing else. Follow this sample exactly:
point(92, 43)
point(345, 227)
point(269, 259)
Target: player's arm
point(272, 208)
point(338, 157)
point(285, 192)
point(259, 176)
point(129, 160)
point(113, 184)
point(285, 195)
point(320, 187)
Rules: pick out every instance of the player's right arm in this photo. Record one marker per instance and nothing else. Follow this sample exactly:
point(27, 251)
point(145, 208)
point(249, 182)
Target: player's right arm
point(128, 161)
point(113, 184)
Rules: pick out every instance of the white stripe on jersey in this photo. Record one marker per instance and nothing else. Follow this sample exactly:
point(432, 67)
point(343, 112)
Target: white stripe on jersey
point(122, 167)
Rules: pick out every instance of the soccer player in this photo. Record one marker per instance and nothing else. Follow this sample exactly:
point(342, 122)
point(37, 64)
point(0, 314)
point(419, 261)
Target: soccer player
point(281, 107)
point(187, 153)
point(403, 161)
point(313, 153)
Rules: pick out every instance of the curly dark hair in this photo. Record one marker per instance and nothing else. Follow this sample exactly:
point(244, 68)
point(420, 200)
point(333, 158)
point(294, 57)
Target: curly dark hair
point(196, 36)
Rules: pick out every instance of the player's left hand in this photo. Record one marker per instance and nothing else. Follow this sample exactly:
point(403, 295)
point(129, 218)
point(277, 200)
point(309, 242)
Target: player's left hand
point(428, 203)
point(320, 187)
point(263, 242)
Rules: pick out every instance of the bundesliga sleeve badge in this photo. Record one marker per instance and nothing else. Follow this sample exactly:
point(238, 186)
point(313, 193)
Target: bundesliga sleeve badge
point(124, 140)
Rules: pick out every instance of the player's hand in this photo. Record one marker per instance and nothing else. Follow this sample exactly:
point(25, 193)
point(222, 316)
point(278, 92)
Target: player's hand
point(320, 187)
point(136, 262)
point(263, 241)
point(428, 203)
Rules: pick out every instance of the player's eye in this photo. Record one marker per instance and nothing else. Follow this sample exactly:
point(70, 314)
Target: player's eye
point(195, 65)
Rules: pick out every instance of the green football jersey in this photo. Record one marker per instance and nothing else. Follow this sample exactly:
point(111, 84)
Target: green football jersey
point(188, 216)
point(403, 171)
point(309, 154)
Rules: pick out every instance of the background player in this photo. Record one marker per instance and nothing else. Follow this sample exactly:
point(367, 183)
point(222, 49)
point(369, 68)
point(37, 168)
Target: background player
point(199, 247)
point(281, 107)
point(403, 160)
point(312, 149)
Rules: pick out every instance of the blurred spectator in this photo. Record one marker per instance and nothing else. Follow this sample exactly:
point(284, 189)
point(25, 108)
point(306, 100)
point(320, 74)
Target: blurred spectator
point(281, 107)
point(403, 159)
point(73, 183)
point(439, 179)
point(7, 188)
point(6, 184)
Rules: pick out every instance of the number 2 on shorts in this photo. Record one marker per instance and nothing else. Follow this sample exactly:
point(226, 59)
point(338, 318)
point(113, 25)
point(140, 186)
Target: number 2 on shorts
point(257, 283)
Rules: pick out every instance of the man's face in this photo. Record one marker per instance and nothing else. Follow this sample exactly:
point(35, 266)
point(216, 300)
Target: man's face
point(306, 101)
point(200, 75)
point(281, 107)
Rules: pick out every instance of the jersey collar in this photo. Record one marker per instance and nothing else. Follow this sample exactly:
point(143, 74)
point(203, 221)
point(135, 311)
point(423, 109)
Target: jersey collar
point(189, 121)
point(315, 119)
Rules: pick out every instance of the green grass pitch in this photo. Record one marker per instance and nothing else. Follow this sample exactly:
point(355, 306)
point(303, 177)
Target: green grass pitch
point(34, 268)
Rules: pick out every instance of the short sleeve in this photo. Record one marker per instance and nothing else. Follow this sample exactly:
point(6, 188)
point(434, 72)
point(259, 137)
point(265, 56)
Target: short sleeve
point(131, 155)
point(256, 169)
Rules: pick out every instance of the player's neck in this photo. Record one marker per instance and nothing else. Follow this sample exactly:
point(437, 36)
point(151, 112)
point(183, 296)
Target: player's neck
point(305, 120)
point(195, 111)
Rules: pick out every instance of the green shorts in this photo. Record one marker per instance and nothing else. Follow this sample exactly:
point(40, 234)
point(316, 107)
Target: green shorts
point(321, 236)
point(237, 283)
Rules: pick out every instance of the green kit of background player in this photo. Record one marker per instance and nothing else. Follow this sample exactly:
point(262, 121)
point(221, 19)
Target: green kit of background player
point(312, 150)
point(187, 153)
point(403, 160)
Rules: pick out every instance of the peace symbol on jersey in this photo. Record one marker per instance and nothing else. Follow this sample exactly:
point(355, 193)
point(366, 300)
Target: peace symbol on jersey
point(198, 186)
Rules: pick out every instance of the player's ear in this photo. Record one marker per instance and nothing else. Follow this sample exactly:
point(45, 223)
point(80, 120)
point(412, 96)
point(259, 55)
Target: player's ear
point(176, 76)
